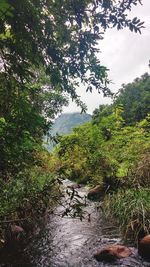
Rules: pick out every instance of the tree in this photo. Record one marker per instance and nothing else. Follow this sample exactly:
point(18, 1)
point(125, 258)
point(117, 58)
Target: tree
point(46, 47)
point(135, 98)
point(61, 35)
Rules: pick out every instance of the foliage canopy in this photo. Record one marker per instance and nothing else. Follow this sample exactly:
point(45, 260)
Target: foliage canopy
point(113, 150)
point(46, 47)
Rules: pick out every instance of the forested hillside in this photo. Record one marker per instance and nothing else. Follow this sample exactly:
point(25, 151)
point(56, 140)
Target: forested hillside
point(64, 124)
point(47, 49)
point(135, 98)
point(67, 121)
point(113, 150)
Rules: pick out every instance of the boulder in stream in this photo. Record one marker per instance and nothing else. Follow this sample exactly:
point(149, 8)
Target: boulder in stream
point(112, 253)
point(95, 192)
point(144, 247)
point(74, 186)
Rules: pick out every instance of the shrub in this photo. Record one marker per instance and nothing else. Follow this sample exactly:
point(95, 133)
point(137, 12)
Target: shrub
point(141, 171)
point(131, 208)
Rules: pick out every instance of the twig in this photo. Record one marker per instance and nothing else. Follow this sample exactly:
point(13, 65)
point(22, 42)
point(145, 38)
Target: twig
point(16, 220)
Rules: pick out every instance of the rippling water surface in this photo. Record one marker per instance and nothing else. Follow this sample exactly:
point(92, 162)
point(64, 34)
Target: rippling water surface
point(68, 242)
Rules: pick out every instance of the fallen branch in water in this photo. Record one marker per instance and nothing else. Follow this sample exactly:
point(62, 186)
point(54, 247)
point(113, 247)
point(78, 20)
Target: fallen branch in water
point(14, 220)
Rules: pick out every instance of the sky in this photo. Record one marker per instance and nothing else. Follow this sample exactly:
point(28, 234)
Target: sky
point(125, 54)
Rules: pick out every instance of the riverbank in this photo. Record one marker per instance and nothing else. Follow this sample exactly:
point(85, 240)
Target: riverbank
point(29, 214)
point(66, 241)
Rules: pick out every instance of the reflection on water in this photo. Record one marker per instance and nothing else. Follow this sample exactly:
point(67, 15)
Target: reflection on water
point(68, 242)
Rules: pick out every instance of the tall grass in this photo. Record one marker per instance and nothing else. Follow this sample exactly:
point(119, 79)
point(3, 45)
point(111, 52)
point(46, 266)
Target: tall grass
point(131, 208)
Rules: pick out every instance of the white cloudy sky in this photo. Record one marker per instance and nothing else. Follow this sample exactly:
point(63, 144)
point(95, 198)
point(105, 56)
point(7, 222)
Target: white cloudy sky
point(126, 54)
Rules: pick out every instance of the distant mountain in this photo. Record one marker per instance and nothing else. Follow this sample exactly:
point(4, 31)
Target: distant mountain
point(65, 123)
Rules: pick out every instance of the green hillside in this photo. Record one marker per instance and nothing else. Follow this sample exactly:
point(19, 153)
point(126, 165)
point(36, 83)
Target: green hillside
point(65, 123)
point(113, 151)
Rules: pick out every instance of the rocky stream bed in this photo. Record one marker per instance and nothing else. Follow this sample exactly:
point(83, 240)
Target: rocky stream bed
point(70, 242)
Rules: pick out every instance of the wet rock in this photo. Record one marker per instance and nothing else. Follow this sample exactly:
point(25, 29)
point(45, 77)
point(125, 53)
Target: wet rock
point(13, 235)
point(112, 253)
point(16, 229)
point(17, 233)
point(74, 186)
point(144, 247)
point(95, 192)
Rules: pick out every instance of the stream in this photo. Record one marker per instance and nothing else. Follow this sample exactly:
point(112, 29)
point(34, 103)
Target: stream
point(70, 242)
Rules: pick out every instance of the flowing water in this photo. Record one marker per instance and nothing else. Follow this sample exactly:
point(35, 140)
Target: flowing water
point(70, 242)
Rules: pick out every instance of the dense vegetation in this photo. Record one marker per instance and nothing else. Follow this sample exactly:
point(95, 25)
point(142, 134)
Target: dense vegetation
point(64, 124)
point(115, 154)
point(46, 49)
point(135, 98)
